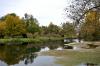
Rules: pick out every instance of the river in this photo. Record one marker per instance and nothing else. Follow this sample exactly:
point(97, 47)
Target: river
point(30, 55)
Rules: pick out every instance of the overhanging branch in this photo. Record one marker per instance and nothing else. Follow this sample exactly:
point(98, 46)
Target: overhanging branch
point(78, 20)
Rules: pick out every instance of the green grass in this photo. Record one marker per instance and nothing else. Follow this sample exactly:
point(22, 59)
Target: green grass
point(32, 40)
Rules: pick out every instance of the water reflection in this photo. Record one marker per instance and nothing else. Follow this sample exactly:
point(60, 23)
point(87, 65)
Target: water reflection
point(88, 64)
point(2, 63)
point(15, 54)
point(59, 48)
point(48, 48)
point(30, 59)
point(44, 49)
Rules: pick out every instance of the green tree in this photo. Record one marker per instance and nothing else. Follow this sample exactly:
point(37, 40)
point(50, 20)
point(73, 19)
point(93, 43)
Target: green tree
point(44, 30)
point(68, 29)
point(32, 24)
point(53, 30)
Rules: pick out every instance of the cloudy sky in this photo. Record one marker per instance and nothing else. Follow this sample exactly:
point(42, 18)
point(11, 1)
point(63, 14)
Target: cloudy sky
point(45, 11)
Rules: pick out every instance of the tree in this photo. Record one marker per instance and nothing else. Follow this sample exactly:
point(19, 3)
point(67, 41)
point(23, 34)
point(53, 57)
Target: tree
point(68, 29)
point(4, 17)
point(78, 9)
point(90, 29)
point(14, 25)
point(32, 24)
point(2, 29)
point(44, 30)
point(53, 30)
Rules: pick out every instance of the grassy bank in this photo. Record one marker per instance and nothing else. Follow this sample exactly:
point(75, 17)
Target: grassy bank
point(76, 58)
point(29, 40)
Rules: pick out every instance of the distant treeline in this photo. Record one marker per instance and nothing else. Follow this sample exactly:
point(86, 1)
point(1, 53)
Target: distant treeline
point(12, 26)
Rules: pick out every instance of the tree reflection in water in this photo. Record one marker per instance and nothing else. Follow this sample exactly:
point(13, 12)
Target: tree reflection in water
point(14, 54)
point(90, 64)
point(30, 58)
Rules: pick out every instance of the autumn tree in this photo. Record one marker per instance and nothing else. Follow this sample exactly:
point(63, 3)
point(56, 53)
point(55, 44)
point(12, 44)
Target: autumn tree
point(90, 29)
point(2, 29)
point(11, 25)
point(14, 25)
point(79, 8)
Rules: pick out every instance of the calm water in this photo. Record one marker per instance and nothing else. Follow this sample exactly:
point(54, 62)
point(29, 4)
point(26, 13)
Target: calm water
point(29, 55)
point(26, 55)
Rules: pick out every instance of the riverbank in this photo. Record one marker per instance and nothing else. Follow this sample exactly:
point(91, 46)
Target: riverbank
point(70, 57)
point(29, 40)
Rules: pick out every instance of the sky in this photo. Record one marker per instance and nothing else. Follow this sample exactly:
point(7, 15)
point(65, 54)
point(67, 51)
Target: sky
point(45, 11)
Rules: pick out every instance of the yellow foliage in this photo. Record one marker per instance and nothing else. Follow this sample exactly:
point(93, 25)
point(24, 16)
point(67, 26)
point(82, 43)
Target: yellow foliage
point(92, 16)
point(2, 27)
point(91, 26)
point(14, 25)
